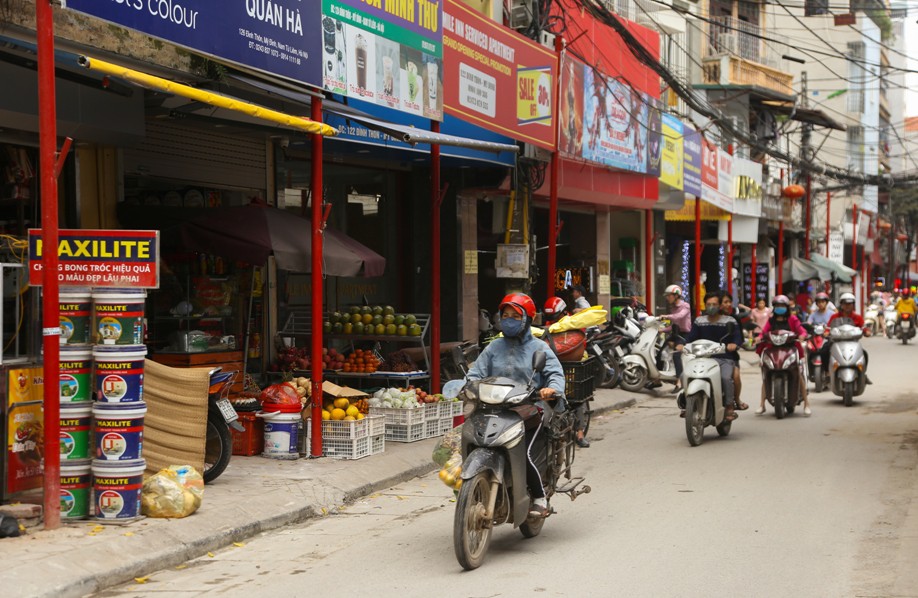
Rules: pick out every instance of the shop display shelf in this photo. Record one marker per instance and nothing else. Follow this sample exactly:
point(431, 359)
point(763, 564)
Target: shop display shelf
point(350, 430)
point(405, 432)
point(399, 417)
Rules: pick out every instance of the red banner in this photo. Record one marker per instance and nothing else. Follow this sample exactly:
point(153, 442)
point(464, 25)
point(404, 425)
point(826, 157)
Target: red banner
point(100, 258)
point(709, 174)
point(496, 78)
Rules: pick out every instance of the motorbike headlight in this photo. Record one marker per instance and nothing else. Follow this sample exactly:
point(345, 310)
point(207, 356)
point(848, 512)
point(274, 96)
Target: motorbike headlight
point(511, 435)
point(493, 394)
point(791, 361)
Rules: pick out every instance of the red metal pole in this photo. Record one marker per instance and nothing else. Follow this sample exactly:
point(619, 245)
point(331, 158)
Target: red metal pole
point(699, 296)
point(809, 202)
point(318, 197)
point(781, 257)
point(435, 261)
point(730, 255)
point(553, 189)
point(854, 250)
point(828, 219)
point(648, 260)
point(752, 294)
point(51, 331)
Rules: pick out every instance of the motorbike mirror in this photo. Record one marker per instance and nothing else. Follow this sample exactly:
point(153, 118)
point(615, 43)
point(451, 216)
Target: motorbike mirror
point(538, 361)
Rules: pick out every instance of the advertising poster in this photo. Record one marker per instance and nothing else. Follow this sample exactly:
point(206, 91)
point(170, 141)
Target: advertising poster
point(711, 183)
point(496, 78)
point(671, 159)
point(100, 258)
point(709, 176)
point(691, 160)
point(270, 36)
point(654, 137)
point(25, 430)
point(387, 53)
point(761, 283)
point(571, 136)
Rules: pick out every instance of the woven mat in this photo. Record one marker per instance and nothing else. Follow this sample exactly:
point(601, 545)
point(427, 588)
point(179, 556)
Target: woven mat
point(176, 422)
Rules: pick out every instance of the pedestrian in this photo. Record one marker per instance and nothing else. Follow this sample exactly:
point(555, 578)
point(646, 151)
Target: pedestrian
point(760, 314)
point(580, 302)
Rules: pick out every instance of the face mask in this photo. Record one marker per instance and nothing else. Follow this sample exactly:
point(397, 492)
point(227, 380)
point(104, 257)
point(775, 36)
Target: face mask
point(511, 327)
point(780, 311)
point(712, 310)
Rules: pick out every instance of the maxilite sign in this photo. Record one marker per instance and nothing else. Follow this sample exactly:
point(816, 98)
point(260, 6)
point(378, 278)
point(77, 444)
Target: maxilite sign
point(100, 258)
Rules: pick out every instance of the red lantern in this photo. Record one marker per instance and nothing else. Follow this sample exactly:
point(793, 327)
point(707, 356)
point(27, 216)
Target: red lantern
point(794, 192)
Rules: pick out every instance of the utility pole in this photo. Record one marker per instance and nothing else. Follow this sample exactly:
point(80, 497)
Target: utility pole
point(806, 155)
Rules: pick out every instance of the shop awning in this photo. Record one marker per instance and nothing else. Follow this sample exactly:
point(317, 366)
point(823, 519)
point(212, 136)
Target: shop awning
point(800, 269)
point(206, 97)
point(841, 272)
point(687, 213)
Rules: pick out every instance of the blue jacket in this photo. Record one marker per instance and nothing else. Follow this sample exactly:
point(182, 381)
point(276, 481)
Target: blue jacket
point(512, 358)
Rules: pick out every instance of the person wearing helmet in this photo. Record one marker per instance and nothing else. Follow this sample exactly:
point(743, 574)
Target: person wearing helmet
point(681, 317)
point(510, 356)
point(906, 305)
point(845, 315)
point(782, 318)
point(737, 312)
point(822, 314)
point(555, 308)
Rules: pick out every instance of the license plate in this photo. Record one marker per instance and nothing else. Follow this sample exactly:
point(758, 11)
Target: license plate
point(619, 352)
point(598, 350)
point(905, 325)
point(226, 409)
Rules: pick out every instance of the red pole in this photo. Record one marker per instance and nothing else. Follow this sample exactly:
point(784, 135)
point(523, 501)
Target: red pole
point(752, 281)
point(730, 255)
point(553, 189)
point(854, 250)
point(318, 197)
point(809, 203)
point(828, 219)
point(435, 261)
point(699, 296)
point(781, 257)
point(648, 260)
point(51, 331)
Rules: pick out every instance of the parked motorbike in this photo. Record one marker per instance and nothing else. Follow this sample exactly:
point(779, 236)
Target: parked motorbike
point(814, 343)
point(610, 343)
point(221, 416)
point(847, 362)
point(651, 358)
point(905, 329)
point(702, 394)
point(494, 451)
point(782, 375)
point(871, 316)
point(892, 317)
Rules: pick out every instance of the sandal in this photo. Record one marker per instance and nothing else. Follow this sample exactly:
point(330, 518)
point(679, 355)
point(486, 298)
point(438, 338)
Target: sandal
point(538, 511)
point(739, 405)
point(730, 415)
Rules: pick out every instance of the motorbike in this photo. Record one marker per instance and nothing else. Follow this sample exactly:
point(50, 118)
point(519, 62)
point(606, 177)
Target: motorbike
point(610, 343)
point(782, 375)
point(651, 358)
point(814, 344)
point(871, 316)
point(494, 451)
point(702, 394)
point(891, 316)
point(847, 363)
point(221, 416)
point(905, 329)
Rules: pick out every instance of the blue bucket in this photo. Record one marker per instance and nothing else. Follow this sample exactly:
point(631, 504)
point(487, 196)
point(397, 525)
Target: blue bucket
point(119, 372)
point(119, 431)
point(117, 486)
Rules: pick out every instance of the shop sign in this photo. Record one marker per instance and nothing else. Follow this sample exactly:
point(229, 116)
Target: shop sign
point(606, 121)
point(709, 177)
point(496, 78)
point(716, 190)
point(747, 189)
point(100, 258)
point(671, 160)
point(25, 429)
point(691, 160)
point(761, 283)
point(272, 36)
point(565, 278)
point(388, 52)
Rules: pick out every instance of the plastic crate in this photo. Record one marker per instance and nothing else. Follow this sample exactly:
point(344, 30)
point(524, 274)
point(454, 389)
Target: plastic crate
point(446, 424)
point(349, 430)
point(377, 424)
point(399, 417)
point(579, 379)
point(405, 432)
point(252, 441)
point(432, 428)
point(431, 412)
point(339, 448)
point(453, 409)
point(377, 444)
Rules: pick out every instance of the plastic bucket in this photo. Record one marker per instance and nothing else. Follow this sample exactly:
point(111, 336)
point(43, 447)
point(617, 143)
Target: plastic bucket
point(281, 434)
point(75, 307)
point(117, 487)
point(119, 316)
point(119, 373)
point(119, 431)
point(76, 482)
point(76, 427)
point(76, 374)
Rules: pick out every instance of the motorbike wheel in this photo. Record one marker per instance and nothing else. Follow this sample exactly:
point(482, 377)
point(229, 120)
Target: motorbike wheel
point(694, 419)
point(778, 394)
point(532, 526)
point(471, 531)
point(724, 428)
point(817, 379)
point(587, 416)
point(848, 394)
point(634, 377)
point(904, 340)
point(611, 372)
point(218, 445)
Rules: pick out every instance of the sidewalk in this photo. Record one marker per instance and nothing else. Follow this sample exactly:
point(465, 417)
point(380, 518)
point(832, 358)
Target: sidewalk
point(253, 495)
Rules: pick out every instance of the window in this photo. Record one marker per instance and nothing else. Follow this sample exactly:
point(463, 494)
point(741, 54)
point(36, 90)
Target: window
point(856, 75)
point(856, 149)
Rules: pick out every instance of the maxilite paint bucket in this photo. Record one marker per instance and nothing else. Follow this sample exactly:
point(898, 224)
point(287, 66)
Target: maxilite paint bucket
point(76, 428)
point(281, 435)
point(76, 482)
point(119, 372)
point(75, 307)
point(119, 431)
point(119, 316)
point(76, 374)
point(117, 486)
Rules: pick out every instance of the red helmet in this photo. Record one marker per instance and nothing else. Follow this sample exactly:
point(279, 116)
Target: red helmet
point(522, 303)
point(554, 305)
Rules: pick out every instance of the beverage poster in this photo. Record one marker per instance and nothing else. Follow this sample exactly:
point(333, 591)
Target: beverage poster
point(25, 430)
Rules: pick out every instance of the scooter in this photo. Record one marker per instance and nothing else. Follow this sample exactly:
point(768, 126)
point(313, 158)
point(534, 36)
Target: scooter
point(610, 344)
point(221, 416)
point(847, 363)
point(702, 397)
point(494, 451)
point(651, 358)
point(891, 316)
point(782, 375)
point(871, 316)
point(905, 329)
point(814, 344)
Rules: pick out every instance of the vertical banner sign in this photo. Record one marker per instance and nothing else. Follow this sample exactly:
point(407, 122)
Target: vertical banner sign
point(100, 258)
point(761, 283)
point(389, 52)
point(671, 160)
point(710, 177)
point(25, 429)
point(496, 78)
point(691, 160)
point(272, 36)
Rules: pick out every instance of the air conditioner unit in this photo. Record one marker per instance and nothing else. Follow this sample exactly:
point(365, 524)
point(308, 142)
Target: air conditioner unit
point(547, 39)
point(520, 14)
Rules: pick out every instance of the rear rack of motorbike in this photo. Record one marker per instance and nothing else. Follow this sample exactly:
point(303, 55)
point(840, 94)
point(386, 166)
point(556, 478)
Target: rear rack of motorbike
point(573, 488)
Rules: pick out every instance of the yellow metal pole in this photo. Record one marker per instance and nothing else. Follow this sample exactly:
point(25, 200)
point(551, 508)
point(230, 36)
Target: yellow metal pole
point(207, 97)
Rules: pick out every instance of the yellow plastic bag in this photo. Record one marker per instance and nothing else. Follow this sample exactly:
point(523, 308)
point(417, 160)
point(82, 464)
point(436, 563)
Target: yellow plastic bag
point(593, 316)
point(172, 493)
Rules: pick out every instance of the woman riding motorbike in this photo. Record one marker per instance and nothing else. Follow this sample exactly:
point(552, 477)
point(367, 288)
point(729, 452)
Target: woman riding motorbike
point(783, 319)
point(510, 356)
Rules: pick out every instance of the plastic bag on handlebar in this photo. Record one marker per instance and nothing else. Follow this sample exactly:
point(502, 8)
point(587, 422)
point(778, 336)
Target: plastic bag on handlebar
point(449, 445)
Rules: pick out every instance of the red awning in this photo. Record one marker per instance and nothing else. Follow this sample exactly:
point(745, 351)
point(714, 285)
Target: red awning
point(587, 183)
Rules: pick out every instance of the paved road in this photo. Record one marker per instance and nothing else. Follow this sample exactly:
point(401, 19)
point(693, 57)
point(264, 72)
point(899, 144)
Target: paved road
point(818, 506)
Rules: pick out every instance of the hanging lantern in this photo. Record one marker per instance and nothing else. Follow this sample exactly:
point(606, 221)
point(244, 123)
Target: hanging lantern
point(793, 192)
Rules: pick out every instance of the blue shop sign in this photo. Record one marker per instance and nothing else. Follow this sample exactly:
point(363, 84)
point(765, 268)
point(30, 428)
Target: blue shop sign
point(273, 36)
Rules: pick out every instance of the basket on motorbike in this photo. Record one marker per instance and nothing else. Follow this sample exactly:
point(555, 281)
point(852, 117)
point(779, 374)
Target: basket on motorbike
point(579, 379)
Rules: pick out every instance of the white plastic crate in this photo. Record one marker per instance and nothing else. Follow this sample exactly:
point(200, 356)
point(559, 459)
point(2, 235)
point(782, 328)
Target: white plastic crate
point(432, 428)
point(342, 448)
point(431, 412)
point(377, 444)
point(445, 425)
point(377, 424)
point(399, 417)
point(350, 430)
point(405, 432)
point(451, 408)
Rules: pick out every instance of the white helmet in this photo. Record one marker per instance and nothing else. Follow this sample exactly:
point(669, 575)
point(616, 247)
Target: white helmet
point(673, 289)
point(846, 298)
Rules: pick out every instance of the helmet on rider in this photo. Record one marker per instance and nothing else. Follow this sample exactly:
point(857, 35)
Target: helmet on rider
point(846, 299)
point(780, 300)
point(822, 297)
point(673, 289)
point(524, 306)
point(554, 306)
point(906, 293)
